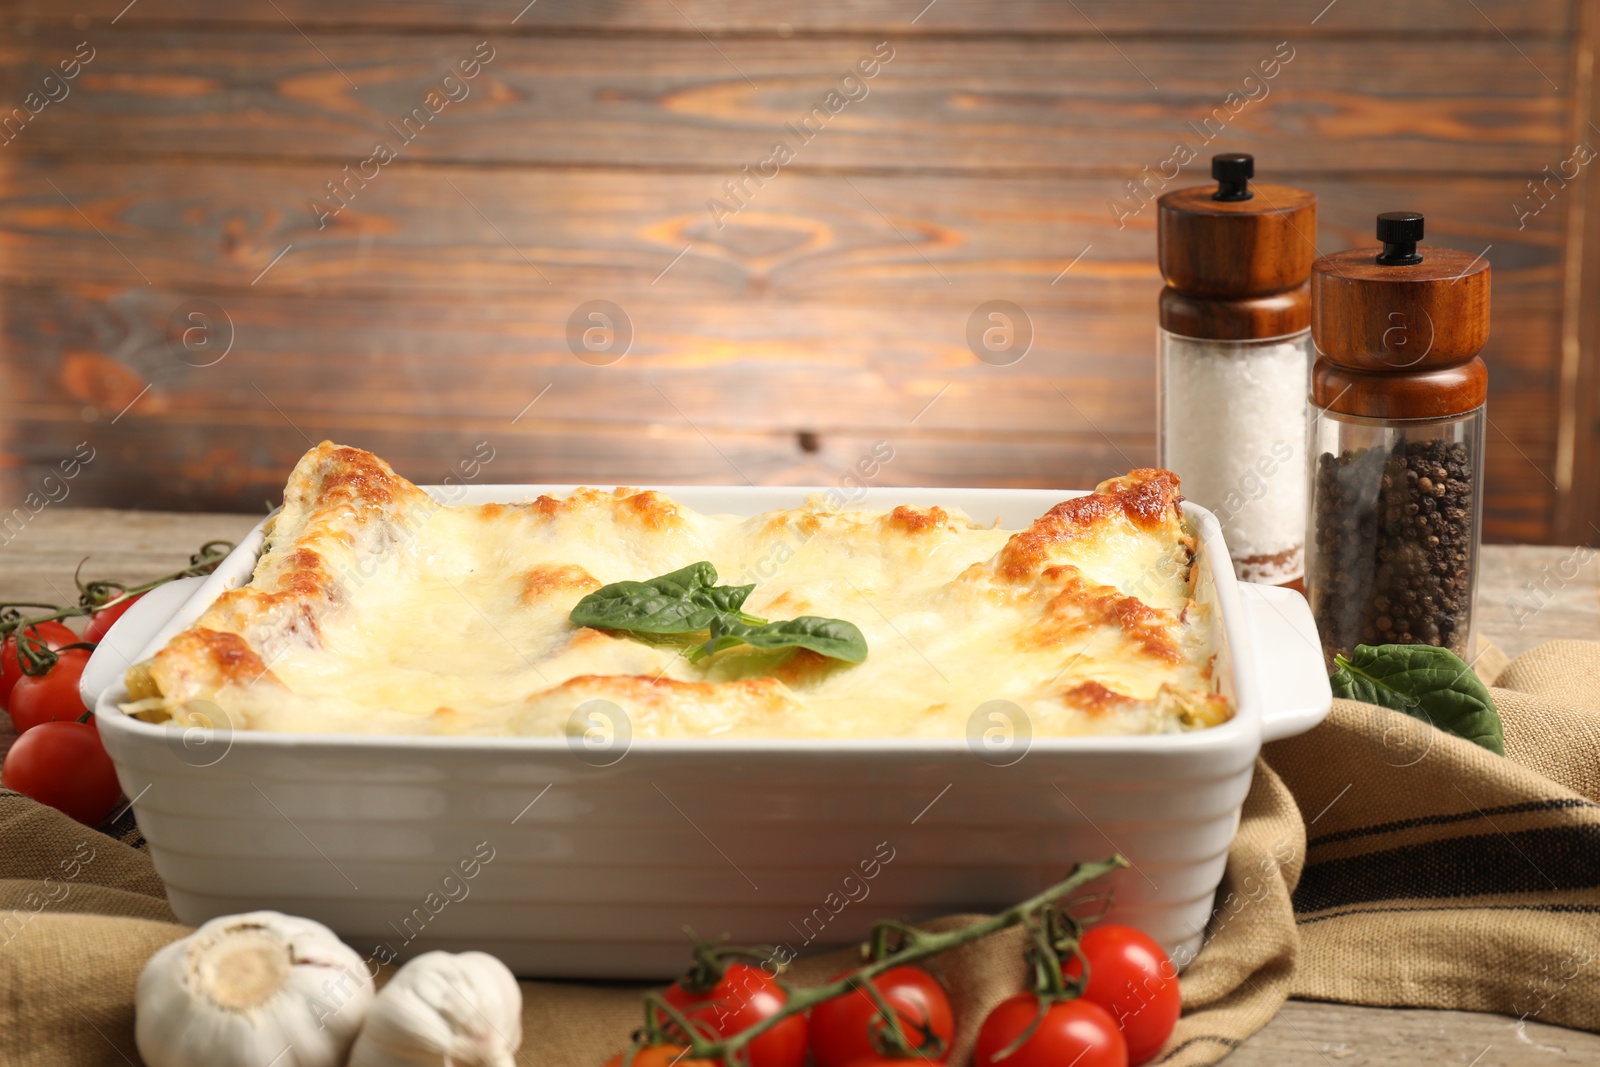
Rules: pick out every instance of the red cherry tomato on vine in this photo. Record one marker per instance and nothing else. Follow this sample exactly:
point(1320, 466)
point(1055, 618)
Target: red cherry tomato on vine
point(100, 622)
point(53, 634)
point(842, 1028)
point(1075, 1032)
point(1130, 977)
point(64, 765)
point(745, 995)
point(659, 1056)
point(50, 697)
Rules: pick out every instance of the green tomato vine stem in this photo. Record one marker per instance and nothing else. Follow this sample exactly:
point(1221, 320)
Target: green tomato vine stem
point(914, 945)
point(36, 657)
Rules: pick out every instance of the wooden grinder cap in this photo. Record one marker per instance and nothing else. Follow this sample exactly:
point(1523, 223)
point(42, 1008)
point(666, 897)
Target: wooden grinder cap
point(1398, 331)
point(1237, 257)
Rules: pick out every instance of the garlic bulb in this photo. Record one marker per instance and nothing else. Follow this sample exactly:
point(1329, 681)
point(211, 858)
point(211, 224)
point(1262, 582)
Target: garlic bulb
point(249, 991)
point(444, 1010)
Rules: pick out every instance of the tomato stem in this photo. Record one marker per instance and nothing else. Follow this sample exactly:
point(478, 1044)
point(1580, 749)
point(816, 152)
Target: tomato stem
point(914, 945)
point(36, 657)
point(680, 1024)
point(710, 961)
point(880, 937)
point(1066, 931)
point(888, 1030)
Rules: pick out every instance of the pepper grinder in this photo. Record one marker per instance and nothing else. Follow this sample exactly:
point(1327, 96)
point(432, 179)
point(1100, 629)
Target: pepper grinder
point(1396, 482)
point(1235, 353)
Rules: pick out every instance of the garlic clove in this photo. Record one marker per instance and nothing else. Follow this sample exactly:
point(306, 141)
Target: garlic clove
point(444, 1010)
point(252, 990)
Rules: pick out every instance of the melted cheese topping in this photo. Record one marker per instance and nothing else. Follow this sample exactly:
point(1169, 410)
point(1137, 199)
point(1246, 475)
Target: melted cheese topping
point(377, 610)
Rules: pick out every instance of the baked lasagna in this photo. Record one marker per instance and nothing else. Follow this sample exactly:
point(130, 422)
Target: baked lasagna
point(375, 608)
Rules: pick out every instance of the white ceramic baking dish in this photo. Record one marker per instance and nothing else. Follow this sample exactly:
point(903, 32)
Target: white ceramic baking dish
point(593, 871)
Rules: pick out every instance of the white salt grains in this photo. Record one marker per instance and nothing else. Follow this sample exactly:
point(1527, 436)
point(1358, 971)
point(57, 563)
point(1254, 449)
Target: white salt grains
point(1234, 429)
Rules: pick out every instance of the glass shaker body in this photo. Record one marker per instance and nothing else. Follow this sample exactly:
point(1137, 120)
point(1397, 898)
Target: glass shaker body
point(1393, 527)
point(1232, 426)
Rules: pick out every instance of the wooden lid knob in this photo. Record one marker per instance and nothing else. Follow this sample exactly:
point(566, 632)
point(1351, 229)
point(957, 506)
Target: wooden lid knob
point(1370, 316)
point(1236, 243)
point(1400, 320)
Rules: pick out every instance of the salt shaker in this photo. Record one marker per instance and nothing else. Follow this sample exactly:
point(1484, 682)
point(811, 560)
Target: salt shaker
point(1396, 475)
point(1234, 357)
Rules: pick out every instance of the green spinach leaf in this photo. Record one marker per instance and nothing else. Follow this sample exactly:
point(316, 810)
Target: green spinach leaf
point(685, 600)
point(689, 601)
point(834, 638)
point(1427, 683)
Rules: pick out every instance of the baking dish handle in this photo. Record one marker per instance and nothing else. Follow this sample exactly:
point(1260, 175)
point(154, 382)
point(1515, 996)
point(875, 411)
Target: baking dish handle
point(1290, 676)
point(129, 634)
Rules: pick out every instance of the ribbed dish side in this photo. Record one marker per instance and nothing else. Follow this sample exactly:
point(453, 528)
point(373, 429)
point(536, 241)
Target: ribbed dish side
point(580, 885)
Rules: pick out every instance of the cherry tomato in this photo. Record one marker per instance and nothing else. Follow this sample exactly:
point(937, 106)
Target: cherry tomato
point(659, 1056)
point(100, 622)
point(1074, 1032)
point(53, 634)
point(1130, 977)
point(842, 1028)
point(64, 765)
point(745, 995)
point(50, 697)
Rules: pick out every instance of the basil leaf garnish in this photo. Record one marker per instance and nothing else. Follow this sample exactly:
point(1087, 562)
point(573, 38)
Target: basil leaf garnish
point(689, 600)
point(683, 601)
point(834, 638)
point(1427, 683)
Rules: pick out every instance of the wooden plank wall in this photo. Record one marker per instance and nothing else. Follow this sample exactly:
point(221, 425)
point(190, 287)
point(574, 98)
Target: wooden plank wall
point(185, 170)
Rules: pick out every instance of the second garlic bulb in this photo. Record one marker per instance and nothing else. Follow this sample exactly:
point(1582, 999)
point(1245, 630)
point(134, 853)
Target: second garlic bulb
point(444, 1010)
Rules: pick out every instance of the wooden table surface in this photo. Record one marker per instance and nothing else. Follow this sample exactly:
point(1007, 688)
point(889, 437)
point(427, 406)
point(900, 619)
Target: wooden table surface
point(1527, 595)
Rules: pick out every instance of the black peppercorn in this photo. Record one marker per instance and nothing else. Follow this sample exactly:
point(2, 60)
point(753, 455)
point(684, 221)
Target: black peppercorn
point(1392, 528)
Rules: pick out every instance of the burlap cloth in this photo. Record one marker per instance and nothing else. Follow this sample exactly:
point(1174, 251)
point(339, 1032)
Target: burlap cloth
point(1378, 862)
